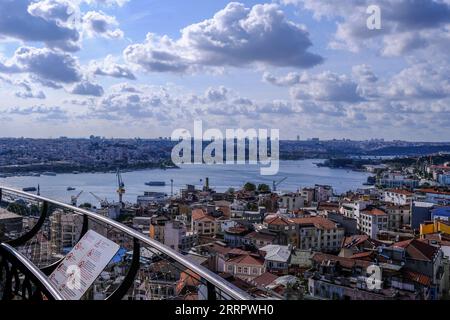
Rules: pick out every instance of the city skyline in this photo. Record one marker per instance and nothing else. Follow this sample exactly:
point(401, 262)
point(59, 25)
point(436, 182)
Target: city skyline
point(128, 68)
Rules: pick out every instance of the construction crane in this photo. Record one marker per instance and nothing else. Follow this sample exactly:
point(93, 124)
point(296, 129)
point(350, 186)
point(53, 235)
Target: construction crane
point(121, 187)
point(74, 199)
point(276, 184)
point(103, 202)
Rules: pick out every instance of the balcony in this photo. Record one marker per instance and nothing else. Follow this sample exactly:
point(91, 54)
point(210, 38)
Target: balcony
point(137, 272)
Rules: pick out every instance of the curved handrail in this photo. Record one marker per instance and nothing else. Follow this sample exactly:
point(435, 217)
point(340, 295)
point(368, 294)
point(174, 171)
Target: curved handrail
point(34, 271)
point(212, 278)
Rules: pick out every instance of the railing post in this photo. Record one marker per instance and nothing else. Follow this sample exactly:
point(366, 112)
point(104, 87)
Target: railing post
point(211, 291)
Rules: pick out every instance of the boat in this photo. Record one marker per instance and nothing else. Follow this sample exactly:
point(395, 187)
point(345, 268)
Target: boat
point(71, 188)
point(155, 183)
point(52, 174)
point(29, 189)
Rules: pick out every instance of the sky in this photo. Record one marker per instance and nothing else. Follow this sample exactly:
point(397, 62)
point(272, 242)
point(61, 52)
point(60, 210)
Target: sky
point(144, 68)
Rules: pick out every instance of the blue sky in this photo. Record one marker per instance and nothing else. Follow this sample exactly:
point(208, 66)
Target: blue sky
point(128, 68)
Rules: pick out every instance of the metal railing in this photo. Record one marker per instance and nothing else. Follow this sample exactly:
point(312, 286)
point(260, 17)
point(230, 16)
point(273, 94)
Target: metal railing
point(217, 287)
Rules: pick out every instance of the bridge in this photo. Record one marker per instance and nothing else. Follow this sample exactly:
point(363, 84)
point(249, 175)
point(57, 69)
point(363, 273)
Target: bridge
point(146, 268)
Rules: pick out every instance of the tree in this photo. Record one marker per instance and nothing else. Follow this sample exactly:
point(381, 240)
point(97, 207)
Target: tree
point(249, 186)
point(230, 190)
point(263, 188)
point(86, 205)
point(18, 208)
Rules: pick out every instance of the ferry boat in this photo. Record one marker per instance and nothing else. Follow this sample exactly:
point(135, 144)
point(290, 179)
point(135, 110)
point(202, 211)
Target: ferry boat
point(52, 174)
point(29, 189)
point(155, 183)
point(71, 188)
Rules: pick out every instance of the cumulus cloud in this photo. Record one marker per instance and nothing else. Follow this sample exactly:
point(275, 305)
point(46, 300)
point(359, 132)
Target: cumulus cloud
point(109, 67)
point(236, 36)
point(327, 86)
point(53, 10)
point(27, 90)
point(100, 24)
point(20, 23)
point(43, 113)
point(290, 79)
point(108, 3)
point(46, 64)
point(87, 88)
point(407, 25)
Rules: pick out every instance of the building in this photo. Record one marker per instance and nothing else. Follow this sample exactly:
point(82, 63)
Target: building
point(372, 221)
point(150, 198)
point(260, 238)
point(177, 237)
point(65, 230)
point(350, 225)
point(157, 224)
point(398, 196)
point(276, 258)
point(426, 259)
point(435, 196)
point(10, 223)
point(246, 266)
point(397, 180)
point(420, 212)
point(319, 234)
point(204, 224)
point(235, 236)
point(441, 213)
point(284, 229)
point(399, 216)
point(292, 201)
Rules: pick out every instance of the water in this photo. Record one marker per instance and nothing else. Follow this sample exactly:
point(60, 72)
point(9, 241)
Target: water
point(301, 173)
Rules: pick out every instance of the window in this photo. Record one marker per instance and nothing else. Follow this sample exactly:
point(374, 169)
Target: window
point(245, 270)
point(255, 271)
point(239, 269)
point(230, 268)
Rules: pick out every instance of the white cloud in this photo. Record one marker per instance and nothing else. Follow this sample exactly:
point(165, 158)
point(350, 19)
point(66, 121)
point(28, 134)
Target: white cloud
point(48, 65)
point(407, 25)
point(109, 67)
point(236, 36)
point(87, 88)
point(100, 24)
point(18, 23)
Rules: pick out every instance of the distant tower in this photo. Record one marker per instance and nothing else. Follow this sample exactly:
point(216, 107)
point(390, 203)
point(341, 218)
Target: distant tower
point(39, 190)
point(171, 187)
point(298, 137)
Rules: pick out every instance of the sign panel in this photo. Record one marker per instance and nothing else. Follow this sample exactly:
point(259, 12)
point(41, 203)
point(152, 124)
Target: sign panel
point(83, 264)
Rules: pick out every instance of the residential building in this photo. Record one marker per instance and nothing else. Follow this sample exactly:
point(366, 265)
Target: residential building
point(177, 237)
point(398, 196)
point(246, 266)
point(276, 258)
point(319, 234)
point(372, 221)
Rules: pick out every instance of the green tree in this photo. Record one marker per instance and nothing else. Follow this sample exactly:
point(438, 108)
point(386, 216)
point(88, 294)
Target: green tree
point(263, 188)
point(249, 186)
point(18, 208)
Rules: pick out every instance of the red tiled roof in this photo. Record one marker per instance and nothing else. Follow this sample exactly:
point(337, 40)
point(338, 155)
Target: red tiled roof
point(265, 279)
point(417, 277)
point(260, 236)
point(374, 212)
point(401, 191)
point(200, 214)
point(430, 190)
point(362, 255)
point(418, 250)
point(278, 220)
point(318, 222)
point(247, 259)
